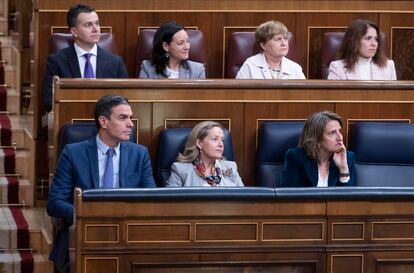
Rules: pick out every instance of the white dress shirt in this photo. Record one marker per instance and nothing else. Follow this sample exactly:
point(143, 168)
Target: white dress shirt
point(82, 60)
point(102, 157)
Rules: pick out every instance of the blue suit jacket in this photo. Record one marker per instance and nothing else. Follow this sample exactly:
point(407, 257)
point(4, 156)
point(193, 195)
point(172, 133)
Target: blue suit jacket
point(78, 167)
point(301, 171)
point(64, 64)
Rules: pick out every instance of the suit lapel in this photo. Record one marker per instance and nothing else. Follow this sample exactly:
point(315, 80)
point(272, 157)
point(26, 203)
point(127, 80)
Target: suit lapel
point(101, 63)
point(123, 166)
point(311, 169)
point(73, 62)
point(93, 162)
point(184, 73)
point(333, 174)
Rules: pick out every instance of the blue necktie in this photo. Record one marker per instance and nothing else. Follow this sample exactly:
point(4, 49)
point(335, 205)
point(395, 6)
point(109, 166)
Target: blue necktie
point(88, 72)
point(108, 177)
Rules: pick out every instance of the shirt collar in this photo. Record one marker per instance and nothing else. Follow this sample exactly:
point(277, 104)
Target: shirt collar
point(80, 52)
point(284, 67)
point(103, 148)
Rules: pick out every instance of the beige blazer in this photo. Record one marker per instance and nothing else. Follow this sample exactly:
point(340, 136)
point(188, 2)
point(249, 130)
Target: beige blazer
point(256, 67)
point(184, 175)
point(337, 71)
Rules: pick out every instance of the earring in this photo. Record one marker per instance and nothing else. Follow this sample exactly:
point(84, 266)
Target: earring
point(167, 55)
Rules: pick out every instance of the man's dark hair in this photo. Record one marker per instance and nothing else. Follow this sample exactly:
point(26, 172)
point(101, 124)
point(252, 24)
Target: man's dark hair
point(104, 106)
point(74, 11)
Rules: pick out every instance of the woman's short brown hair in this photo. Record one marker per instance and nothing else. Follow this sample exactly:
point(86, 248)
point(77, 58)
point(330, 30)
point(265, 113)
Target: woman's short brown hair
point(349, 50)
point(268, 30)
point(312, 133)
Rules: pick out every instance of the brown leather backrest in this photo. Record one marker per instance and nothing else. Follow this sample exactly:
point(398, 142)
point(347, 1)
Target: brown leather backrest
point(331, 44)
point(198, 48)
point(242, 45)
point(59, 41)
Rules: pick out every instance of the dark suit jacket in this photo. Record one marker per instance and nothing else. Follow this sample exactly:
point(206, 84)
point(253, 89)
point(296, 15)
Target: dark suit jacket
point(78, 167)
point(64, 64)
point(301, 171)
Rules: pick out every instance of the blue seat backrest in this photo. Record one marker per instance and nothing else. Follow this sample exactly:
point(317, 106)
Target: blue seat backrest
point(78, 131)
point(384, 154)
point(275, 138)
point(171, 142)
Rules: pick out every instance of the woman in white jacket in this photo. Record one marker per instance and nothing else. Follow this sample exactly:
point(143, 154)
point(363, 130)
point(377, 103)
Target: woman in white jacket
point(271, 63)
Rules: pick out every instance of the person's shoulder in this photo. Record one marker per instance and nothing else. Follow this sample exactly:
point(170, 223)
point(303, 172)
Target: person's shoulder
point(255, 59)
point(181, 166)
point(62, 53)
point(390, 63)
point(228, 163)
point(147, 65)
point(133, 145)
point(350, 155)
point(292, 63)
point(79, 146)
point(296, 154)
point(195, 64)
point(337, 63)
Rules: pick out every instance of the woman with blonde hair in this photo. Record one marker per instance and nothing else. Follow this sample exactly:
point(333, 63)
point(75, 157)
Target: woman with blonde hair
point(321, 159)
point(271, 62)
point(202, 163)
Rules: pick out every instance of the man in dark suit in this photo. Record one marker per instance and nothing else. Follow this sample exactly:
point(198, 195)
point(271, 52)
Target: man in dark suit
point(88, 165)
point(72, 62)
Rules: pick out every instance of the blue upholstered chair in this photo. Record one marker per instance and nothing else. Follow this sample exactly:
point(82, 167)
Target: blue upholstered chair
point(275, 138)
point(78, 131)
point(384, 154)
point(171, 142)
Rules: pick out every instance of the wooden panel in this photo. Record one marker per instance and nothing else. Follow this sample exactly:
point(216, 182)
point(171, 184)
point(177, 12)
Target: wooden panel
point(229, 5)
point(293, 231)
point(224, 268)
point(393, 230)
point(399, 28)
point(101, 264)
point(138, 233)
point(101, 233)
point(395, 266)
point(402, 44)
point(347, 231)
point(226, 232)
point(343, 263)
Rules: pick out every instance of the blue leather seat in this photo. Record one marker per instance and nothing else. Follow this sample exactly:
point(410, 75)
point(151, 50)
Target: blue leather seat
point(171, 142)
point(384, 154)
point(78, 131)
point(275, 138)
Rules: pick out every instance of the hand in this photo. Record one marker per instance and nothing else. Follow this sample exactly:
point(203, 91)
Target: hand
point(339, 159)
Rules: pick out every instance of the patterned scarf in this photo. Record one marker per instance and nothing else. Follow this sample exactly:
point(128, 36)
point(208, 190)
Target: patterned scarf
point(216, 174)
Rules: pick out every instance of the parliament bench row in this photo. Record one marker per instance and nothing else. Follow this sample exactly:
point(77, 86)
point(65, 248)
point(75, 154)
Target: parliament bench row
point(242, 45)
point(384, 150)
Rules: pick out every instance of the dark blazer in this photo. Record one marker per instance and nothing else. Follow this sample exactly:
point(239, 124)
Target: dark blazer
point(64, 64)
point(78, 167)
point(301, 171)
